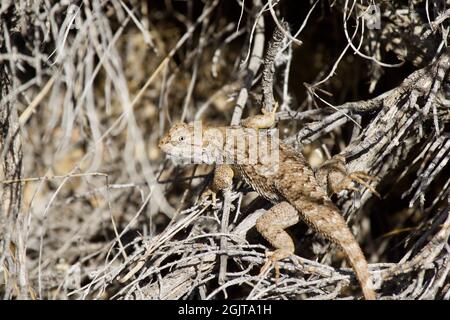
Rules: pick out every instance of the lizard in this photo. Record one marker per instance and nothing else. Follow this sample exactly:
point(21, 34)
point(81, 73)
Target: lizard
point(289, 183)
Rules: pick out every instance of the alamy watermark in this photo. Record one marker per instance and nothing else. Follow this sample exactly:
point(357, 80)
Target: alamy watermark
point(228, 145)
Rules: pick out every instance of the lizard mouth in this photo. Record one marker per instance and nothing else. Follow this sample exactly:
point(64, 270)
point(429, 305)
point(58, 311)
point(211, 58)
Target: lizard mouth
point(175, 154)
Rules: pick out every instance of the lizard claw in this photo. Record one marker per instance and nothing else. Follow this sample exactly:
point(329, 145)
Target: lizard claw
point(205, 195)
point(272, 260)
point(273, 112)
point(361, 177)
point(261, 121)
point(334, 176)
point(267, 266)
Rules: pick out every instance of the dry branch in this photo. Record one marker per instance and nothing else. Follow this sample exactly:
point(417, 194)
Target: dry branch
point(90, 209)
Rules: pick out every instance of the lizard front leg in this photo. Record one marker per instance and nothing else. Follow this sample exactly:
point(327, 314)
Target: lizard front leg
point(223, 174)
point(222, 180)
point(271, 226)
point(261, 121)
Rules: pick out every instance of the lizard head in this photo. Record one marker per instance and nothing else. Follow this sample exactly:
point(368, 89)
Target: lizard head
point(191, 143)
point(178, 141)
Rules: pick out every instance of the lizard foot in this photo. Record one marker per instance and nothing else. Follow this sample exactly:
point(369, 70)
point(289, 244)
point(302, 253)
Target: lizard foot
point(333, 176)
point(363, 178)
point(205, 195)
point(261, 121)
point(272, 260)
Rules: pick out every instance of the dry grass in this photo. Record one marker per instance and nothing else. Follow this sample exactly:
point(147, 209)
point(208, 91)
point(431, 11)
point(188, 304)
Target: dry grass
point(91, 209)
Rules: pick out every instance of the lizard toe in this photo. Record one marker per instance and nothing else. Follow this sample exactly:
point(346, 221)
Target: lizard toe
point(273, 258)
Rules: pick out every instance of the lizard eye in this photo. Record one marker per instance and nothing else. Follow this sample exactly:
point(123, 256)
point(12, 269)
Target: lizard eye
point(181, 138)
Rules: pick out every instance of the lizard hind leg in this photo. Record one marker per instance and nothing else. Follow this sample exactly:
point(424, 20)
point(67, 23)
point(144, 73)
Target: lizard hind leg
point(272, 227)
point(356, 176)
point(361, 177)
point(334, 177)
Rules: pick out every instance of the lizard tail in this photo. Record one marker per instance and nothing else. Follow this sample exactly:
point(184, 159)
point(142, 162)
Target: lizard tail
point(359, 264)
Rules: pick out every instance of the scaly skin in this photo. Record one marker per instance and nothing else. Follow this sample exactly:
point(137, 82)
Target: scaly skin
point(291, 186)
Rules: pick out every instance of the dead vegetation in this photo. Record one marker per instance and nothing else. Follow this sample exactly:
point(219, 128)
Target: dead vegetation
point(90, 209)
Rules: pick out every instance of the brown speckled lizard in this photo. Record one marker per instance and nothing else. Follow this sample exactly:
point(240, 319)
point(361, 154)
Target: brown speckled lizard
point(285, 179)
